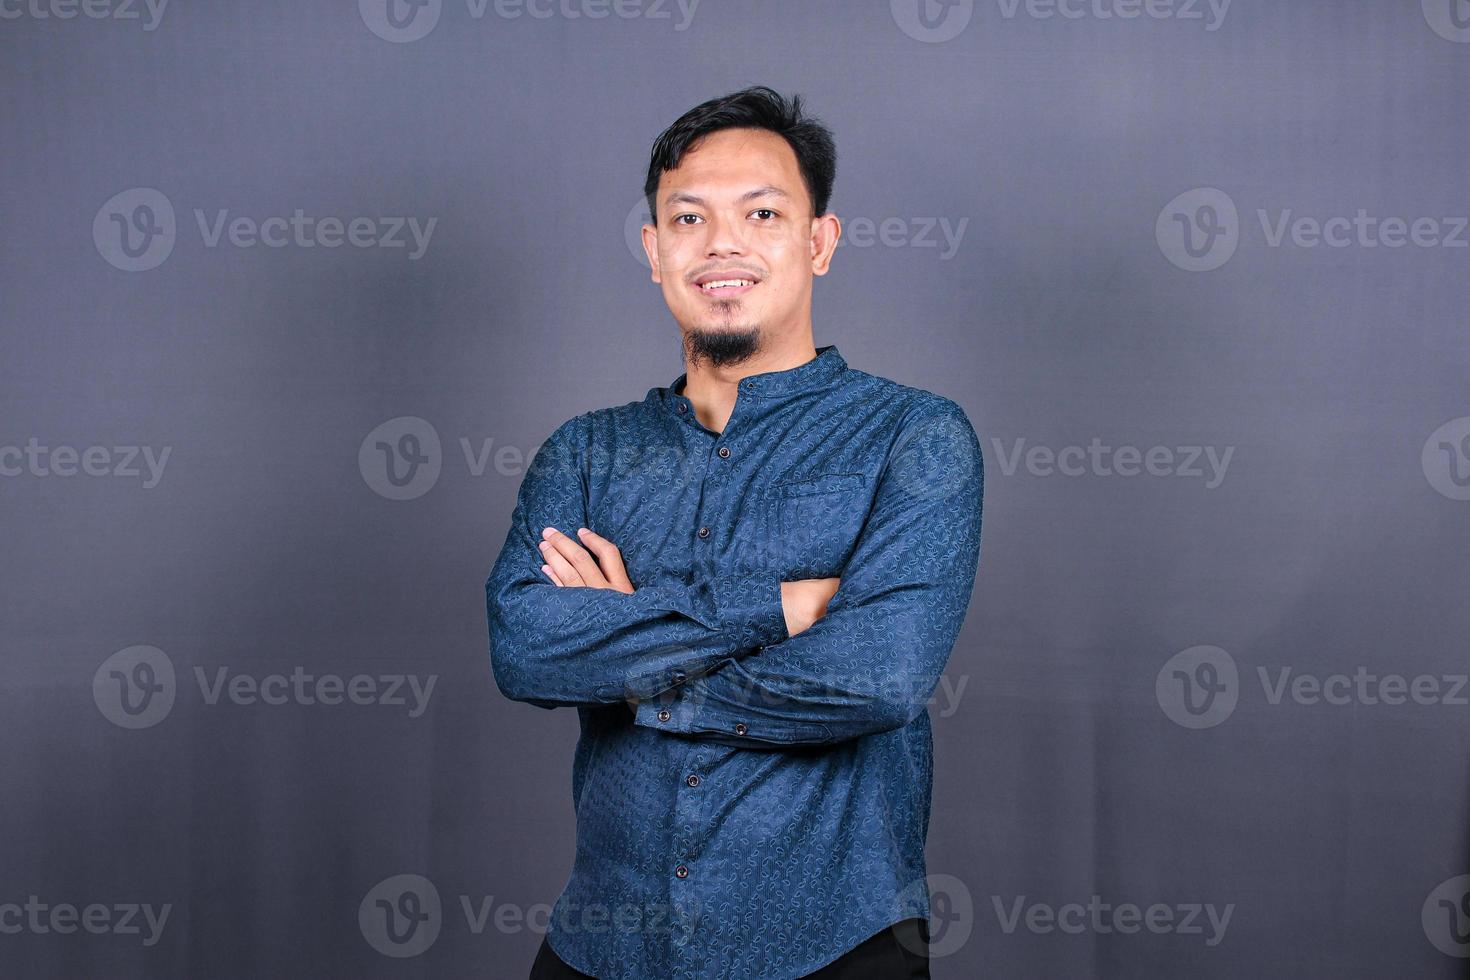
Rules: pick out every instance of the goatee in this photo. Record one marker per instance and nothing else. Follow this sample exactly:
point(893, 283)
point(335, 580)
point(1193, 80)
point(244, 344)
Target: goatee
point(722, 347)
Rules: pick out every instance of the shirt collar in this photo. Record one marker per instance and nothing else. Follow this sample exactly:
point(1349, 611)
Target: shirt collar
point(813, 374)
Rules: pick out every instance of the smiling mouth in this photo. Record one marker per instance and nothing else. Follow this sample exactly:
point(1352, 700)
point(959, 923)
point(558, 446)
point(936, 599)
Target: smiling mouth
point(722, 288)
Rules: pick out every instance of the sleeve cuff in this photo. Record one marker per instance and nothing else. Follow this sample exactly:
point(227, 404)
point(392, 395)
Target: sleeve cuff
point(669, 713)
point(750, 607)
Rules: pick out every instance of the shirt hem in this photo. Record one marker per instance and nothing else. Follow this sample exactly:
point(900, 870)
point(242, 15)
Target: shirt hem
point(884, 923)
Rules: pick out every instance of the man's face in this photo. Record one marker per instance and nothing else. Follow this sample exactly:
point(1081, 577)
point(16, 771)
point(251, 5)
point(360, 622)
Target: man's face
point(736, 208)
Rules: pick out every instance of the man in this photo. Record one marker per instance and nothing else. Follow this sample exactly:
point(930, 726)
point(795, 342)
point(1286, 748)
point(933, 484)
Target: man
point(748, 584)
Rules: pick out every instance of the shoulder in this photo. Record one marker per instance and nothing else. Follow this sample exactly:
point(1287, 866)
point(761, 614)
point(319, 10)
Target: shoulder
point(914, 407)
point(600, 427)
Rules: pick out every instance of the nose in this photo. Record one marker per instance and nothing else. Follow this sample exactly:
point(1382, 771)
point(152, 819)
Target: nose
point(726, 235)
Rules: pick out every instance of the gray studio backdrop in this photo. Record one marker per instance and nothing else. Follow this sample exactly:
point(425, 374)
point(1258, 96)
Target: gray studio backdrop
point(292, 291)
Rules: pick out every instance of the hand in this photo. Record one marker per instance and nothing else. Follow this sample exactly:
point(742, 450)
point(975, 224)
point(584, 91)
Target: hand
point(569, 564)
point(805, 601)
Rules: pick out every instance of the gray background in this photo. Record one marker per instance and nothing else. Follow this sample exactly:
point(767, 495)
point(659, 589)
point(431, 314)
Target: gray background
point(1335, 376)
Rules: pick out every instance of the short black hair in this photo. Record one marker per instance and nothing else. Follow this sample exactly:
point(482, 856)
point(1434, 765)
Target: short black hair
point(757, 107)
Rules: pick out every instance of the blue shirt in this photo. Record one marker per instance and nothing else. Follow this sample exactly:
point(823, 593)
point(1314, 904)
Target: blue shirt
point(765, 809)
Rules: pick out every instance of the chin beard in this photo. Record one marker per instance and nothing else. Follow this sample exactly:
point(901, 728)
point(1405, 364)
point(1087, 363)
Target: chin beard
point(732, 345)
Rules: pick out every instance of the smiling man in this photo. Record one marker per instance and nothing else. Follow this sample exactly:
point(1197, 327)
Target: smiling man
point(748, 584)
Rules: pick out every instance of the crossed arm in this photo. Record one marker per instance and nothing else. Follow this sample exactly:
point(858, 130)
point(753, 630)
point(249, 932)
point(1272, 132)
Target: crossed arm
point(746, 659)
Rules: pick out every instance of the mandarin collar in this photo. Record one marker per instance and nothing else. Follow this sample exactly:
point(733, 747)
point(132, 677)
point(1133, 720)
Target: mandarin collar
point(818, 371)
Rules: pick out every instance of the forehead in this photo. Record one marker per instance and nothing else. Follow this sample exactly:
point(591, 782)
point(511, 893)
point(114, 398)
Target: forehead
point(736, 157)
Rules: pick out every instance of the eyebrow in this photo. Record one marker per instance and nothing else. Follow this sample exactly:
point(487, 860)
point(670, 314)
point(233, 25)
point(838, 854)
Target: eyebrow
point(684, 197)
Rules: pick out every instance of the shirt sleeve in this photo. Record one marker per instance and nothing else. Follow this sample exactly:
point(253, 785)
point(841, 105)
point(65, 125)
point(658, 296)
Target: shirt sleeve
point(872, 661)
point(554, 645)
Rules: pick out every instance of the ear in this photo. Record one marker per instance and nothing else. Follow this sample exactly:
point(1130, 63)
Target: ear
point(826, 230)
point(650, 248)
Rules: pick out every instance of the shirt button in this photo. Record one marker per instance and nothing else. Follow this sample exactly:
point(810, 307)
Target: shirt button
point(679, 676)
point(692, 779)
point(681, 872)
point(704, 532)
point(724, 452)
point(663, 714)
point(740, 728)
point(683, 407)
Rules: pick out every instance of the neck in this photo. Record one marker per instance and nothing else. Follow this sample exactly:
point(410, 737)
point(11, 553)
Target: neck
point(712, 390)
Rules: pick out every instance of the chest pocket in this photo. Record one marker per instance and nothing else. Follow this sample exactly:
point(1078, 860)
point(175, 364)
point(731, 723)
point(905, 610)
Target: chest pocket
point(817, 523)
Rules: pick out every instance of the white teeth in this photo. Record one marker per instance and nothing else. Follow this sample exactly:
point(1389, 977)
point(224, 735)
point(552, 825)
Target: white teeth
point(727, 282)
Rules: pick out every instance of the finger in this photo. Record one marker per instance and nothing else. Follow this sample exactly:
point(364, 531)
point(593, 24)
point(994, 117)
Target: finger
point(559, 564)
point(578, 558)
point(546, 570)
point(609, 558)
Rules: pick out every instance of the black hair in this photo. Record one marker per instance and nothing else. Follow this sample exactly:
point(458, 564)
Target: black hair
point(757, 107)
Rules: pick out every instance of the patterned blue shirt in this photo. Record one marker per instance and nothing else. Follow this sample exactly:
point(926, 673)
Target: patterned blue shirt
point(765, 808)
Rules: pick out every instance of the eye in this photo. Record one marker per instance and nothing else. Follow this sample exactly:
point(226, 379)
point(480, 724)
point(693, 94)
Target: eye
point(676, 218)
point(764, 211)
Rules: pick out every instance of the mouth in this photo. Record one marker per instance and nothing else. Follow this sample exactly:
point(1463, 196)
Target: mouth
point(721, 287)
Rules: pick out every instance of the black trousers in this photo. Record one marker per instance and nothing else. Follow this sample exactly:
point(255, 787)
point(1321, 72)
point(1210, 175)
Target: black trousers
point(899, 952)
